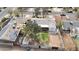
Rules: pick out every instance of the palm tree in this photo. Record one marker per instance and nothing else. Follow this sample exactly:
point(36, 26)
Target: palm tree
point(36, 12)
point(59, 25)
point(30, 29)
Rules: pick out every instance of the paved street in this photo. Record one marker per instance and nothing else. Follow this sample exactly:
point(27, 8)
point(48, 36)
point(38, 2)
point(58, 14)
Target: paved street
point(6, 27)
point(10, 33)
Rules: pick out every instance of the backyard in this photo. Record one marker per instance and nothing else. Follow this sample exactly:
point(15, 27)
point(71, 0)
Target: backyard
point(76, 40)
point(77, 43)
point(43, 36)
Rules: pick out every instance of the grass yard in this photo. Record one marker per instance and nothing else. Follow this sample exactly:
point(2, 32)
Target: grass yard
point(77, 43)
point(43, 36)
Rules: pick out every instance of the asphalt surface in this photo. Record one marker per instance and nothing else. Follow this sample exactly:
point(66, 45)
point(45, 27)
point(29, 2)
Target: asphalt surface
point(6, 27)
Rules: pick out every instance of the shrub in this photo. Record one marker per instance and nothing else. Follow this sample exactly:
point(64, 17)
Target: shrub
point(4, 19)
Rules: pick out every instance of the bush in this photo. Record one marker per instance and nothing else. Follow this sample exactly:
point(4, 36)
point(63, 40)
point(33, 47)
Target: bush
point(4, 19)
point(17, 15)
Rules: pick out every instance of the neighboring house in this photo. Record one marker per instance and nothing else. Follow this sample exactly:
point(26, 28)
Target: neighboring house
point(71, 16)
point(70, 26)
point(57, 10)
point(67, 24)
point(48, 23)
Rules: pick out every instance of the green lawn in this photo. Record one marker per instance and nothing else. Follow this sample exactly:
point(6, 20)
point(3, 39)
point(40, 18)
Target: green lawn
point(76, 39)
point(77, 43)
point(43, 36)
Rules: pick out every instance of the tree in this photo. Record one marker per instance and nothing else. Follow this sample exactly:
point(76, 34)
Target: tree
point(20, 10)
point(77, 14)
point(75, 9)
point(36, 12)
point(59, 25)
point(10, 12)
point(30, 29)
point(67, 9)
point(4, 19)
point(16, 13)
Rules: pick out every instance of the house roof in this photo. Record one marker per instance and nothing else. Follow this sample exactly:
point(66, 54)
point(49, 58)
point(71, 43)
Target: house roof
point(46, 21)
point(67, 24)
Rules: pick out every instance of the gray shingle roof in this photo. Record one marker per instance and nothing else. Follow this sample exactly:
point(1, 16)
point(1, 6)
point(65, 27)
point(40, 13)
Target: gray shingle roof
point(68, 25)
point(51, 24)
